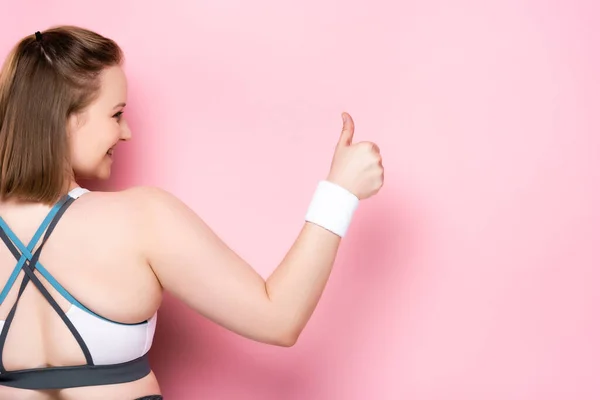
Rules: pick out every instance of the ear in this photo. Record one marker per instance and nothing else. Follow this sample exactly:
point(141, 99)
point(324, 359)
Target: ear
point(74, 123)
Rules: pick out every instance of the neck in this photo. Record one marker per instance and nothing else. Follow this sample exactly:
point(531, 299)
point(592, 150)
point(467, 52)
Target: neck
point(70, 182)
point(72, 185)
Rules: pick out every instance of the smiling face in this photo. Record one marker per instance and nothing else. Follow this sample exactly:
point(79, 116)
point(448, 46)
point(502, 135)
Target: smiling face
point(94, 133)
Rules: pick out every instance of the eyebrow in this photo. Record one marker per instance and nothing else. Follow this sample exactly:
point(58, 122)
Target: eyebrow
point(119, 105)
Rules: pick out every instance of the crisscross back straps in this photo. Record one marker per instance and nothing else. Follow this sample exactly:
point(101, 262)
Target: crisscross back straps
point(27, 262)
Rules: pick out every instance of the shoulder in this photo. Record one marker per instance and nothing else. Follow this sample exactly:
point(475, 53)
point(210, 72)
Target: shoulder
point(130, 205)
point(143, 194)
point(145, 207)
point(149, 198)
point(150, 214)
point(151, 204)
point(165, 224)
point(137, 197)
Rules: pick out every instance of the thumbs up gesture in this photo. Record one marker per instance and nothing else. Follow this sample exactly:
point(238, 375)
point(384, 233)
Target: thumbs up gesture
point(356, 167)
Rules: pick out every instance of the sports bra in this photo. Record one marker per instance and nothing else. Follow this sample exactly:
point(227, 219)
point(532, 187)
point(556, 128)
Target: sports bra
point(114, 352)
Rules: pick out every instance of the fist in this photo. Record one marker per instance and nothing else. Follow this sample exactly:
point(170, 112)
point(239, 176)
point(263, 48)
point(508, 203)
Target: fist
point(356, 167)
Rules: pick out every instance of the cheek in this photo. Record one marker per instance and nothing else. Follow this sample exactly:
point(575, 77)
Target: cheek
point(89, 145)
point(108, 134)
point(82, 158)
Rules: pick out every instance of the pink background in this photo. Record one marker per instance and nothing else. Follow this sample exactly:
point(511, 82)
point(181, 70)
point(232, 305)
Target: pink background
point(474, 274)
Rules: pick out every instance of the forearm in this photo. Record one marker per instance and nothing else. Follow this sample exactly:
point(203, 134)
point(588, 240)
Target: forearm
point(297, 284)
point(295, 287)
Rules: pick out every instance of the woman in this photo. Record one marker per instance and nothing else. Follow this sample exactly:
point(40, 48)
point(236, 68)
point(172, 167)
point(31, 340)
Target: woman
point(84, 272)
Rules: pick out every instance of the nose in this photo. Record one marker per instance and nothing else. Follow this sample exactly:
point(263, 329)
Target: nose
point(125, 131)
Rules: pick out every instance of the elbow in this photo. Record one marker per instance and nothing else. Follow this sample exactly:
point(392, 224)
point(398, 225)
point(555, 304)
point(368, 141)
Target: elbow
point(282, 329)
point(286, 338)
point(286, 341)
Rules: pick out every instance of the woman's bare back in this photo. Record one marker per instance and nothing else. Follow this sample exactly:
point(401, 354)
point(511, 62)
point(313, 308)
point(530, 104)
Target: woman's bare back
point(95, 253)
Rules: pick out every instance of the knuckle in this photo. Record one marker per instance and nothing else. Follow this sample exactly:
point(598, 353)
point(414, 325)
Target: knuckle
point(375, 160)
point(366, 145)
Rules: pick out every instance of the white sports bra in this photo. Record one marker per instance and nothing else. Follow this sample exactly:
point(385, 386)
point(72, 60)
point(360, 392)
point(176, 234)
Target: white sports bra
point(115, 352)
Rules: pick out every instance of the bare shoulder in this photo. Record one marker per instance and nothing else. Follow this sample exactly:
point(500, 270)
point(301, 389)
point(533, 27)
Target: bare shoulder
point(156, 205)
point(152, 210)
point(136, 200)
point(135, 211)
point(144, 192)
point(146, 218)
point(148, 197)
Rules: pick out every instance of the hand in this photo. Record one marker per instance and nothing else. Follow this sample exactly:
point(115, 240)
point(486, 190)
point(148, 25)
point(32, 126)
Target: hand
point(356, 167)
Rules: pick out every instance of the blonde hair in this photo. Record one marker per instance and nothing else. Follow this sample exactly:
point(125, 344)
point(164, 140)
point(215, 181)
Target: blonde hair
point(46, 78)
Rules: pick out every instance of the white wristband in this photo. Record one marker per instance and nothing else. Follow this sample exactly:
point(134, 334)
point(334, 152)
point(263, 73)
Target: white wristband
point(332, 208)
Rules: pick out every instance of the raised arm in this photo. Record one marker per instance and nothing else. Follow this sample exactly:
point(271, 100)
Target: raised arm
point(196, 266)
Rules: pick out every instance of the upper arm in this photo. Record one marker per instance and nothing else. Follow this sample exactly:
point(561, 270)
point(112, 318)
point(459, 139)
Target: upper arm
point(196, 266)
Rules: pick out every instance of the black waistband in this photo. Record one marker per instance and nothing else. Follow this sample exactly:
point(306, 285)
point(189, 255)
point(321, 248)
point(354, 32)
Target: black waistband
point(77, 376)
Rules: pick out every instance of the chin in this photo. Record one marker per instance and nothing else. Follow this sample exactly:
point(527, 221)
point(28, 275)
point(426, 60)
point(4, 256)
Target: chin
point(103, 174)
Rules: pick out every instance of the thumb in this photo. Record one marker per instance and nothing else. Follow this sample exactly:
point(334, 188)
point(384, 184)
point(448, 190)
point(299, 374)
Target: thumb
point(347, 131)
